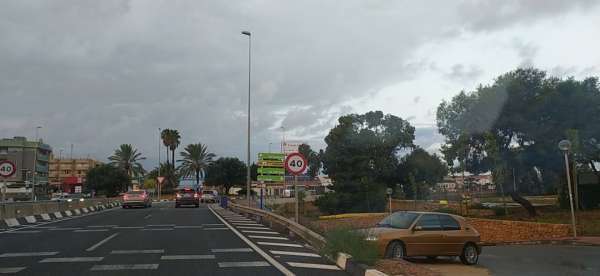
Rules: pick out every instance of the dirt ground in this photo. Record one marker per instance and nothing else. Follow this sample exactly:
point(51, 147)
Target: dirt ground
point(424, 267)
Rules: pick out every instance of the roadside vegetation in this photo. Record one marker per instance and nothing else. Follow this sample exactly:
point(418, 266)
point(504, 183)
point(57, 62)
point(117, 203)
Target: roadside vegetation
point(350, 242)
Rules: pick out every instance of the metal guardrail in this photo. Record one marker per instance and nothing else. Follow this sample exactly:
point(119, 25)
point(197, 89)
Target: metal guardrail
point(308, 235)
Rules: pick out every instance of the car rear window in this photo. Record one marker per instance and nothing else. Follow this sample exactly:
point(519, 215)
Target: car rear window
point(449, 223)
point(188, 191)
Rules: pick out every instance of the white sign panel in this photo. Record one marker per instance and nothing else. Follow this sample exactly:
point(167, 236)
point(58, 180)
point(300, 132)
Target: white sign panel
point(289, 147)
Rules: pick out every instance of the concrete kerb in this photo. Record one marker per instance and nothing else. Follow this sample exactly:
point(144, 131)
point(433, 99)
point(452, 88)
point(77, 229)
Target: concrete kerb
point(343, 260)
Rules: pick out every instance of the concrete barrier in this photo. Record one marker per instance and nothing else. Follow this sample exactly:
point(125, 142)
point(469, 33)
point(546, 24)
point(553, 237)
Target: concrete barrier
point(11, 210)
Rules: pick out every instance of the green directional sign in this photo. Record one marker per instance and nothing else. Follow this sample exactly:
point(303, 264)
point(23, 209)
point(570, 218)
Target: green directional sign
point(274, 171)
point(270, 178)
point(271, 156)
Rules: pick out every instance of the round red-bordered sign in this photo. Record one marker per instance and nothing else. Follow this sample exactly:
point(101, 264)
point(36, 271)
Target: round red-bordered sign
point(295, 163)
point(7, 168)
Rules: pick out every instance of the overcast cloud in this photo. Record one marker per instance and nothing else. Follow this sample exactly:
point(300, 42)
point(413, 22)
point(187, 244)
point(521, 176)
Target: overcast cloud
point(101, 73)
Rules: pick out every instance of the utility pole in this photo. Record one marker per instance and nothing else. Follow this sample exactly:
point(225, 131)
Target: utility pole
point(158, 184)
point(248, 180)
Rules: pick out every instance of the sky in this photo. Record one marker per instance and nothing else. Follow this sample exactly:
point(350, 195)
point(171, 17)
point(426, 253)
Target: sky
point(97, 74)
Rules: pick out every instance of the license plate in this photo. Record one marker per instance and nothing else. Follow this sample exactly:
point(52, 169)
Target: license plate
point(187, 195)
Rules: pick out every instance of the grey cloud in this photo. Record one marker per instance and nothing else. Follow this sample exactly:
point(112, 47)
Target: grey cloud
point(526, 52)
point(459, 73)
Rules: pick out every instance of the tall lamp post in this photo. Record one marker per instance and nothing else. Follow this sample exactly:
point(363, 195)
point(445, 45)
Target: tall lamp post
point(158, 184)
point(247, 33)
point(34, 170)
point(565, 146)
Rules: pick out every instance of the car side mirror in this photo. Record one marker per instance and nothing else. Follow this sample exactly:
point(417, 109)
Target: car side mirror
point(417, 228)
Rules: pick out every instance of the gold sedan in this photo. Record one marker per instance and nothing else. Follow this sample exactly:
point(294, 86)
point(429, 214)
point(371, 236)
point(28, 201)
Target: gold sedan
point(408, 234)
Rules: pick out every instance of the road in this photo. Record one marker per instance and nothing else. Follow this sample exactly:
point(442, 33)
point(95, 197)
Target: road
point(160, 240)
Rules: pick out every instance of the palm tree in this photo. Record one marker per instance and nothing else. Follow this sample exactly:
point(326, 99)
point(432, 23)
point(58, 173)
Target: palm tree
point(196, 159)
point(171, 140)
point(127, 158)
point(166, 139)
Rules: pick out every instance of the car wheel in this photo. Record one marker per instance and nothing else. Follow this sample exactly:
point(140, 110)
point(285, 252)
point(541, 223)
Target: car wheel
point(469, 255)
point(124, 206)
point(395, 250)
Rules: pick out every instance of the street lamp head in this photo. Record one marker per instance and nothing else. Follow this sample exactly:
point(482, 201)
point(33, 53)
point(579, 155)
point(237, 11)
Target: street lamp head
point(246, 33)
point(564, 145)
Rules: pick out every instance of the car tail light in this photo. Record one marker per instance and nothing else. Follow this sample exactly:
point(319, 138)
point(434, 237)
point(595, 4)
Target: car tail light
point(178, 195)
point(196, 195)
point(125, 197)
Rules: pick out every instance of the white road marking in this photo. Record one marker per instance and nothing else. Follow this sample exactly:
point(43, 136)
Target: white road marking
point(259, 232)
point(188, 226)
point(65, 229)
point(243, 264)
point(158, 229)
point(102, 226)
point(25, 232)
point(28, 254)
point(268, 237)
point(45, 217)
point(9, 270)
point(280, 244)
point(222, 228)
point(30, 219)
point(45, 227)
point(93, 247)
point(254, 227)
point(54, 221)
point(58, 215)
point(129, 227)
point(319, 266)
point(241, 220)
point(246, 224)
point(148, 216)
point(229, 250)
point(187, 257)
point(160, 225)
point(289, 253)
point(124, 267)
point(91, 230)
point(72, 260)
point(270, 259)
point(213, 224)
point(148, 251)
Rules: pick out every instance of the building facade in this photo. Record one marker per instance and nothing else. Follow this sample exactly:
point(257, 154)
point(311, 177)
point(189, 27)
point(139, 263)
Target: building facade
point(68, 175)
point(30, 158)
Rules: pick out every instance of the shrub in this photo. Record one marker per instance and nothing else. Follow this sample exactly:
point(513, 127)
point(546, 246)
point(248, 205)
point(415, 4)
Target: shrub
point(499, 211)
point(328, 203)
point(350, 242)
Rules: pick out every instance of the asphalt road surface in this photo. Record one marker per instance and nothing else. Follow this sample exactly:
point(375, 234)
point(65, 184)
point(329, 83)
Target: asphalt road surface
point(547, 260)
point(160, 240)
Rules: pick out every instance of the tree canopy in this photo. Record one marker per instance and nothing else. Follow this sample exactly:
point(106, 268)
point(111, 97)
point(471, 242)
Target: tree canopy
point(226, 172)
point(107, 180)
point(195, 160)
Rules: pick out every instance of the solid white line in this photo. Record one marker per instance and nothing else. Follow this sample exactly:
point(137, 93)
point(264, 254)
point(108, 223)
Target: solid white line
point(9, 270)
point(254, 227)
point(93, 247)
point(259, 232)
point(319, 266)
point(91, 230)
point(72, 260)
point(189, 227)
point(187, 257)
point(158, 229)
point(280, 244)
point(275, 263)
point(148, 251)
point(102, 226)
point(65, 229)
point(243, 264)
point(123, 267)
point(223, 228)
point(229, 250)
point(28, 254)
point(289, 253)
point(268, 237)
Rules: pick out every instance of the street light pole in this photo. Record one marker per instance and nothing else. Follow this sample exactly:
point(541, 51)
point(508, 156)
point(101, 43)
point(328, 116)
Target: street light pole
point(248, 140)
point(565, 146)
point(158, 184)
point(34, 171)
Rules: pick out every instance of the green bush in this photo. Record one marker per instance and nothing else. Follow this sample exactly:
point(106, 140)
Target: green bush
point(350, 242)
point(499, 211)
point(328, 203)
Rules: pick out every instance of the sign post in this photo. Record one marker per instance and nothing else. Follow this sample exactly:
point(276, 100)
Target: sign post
point(7, 169)
point(160, 180)
point(389, 192)
point(295, 164)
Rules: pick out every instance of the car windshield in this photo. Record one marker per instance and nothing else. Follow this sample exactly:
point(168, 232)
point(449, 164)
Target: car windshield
point(401, 220)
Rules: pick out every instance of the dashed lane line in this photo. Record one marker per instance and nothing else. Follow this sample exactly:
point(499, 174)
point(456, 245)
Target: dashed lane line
point(102, 226)
point(124, 267)
point(157, 229)
point(148, 251)
point(290, 253)
point(318, 266)
point(230, 250)
point(90, 230)
point(266, 256)
point(189, 227)
point(213, 224)
point(26, 232)
point(246, 224)
point(268, 237)
point(254, 227)
point(28, 254)
point(160, 225)
point(10, 270)
point(243, 264)
point(280, 244)
point(65, 229)
point(221, 228)
point(187, 257)
point(129, 227)
point(93, 247)
point(72, 260)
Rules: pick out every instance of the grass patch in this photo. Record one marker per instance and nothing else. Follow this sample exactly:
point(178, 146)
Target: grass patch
point(350, 242)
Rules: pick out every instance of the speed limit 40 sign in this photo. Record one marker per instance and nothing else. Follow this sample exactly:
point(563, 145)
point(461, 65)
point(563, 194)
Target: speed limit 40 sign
point(7, 168)
point(295, 163)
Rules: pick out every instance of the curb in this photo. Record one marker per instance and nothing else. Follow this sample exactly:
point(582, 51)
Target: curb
point(9, 223)
point(345, 262)
point(553, 242)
